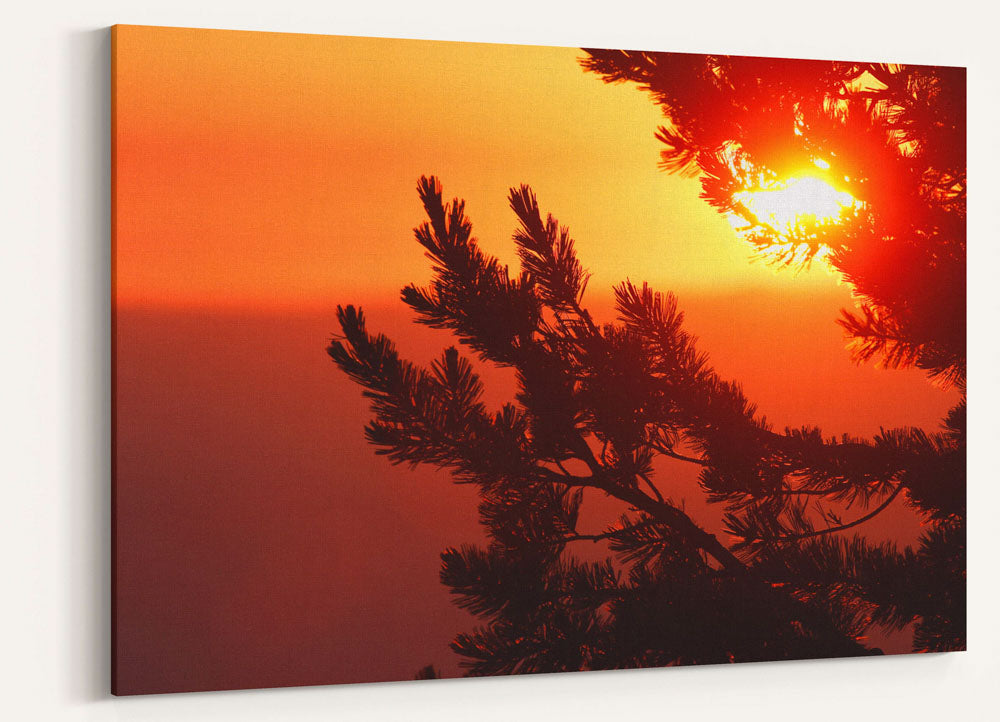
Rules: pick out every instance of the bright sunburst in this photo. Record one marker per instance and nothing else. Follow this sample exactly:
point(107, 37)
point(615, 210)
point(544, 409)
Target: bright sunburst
point(796, 203)
point(789, 214)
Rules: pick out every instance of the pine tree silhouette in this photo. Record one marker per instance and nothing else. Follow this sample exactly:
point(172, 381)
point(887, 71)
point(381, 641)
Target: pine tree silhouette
point(893, 136)
point(597, 405)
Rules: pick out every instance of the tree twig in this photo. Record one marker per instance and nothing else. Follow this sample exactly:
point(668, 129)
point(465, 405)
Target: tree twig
point(833, 529)
point(667, 451)
point(652, 486)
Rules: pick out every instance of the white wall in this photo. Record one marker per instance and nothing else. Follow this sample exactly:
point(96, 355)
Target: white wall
point(54, 286)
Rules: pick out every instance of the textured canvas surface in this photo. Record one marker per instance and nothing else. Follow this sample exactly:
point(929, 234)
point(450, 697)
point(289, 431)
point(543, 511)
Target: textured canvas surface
point(760, 455)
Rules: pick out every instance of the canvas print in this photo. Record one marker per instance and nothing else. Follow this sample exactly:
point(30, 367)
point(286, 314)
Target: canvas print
point(440, 359)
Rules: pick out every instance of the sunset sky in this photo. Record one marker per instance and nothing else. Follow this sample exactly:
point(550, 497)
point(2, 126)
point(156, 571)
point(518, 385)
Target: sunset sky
point(280, 168)
point(261, 179)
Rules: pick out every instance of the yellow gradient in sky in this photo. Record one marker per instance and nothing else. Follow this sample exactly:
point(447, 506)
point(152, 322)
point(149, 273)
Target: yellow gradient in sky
point(271, 169)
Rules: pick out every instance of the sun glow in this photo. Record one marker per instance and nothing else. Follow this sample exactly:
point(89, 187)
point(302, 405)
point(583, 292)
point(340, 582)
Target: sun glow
point(797, 203)
point(790, 216)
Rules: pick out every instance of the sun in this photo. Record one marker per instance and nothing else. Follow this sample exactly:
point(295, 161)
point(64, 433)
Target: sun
point(796, 203)
point(791, 214)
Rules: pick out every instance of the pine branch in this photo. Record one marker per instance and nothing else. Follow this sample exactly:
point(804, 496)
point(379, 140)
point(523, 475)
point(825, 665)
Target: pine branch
point(750, 537)
point(631, 390)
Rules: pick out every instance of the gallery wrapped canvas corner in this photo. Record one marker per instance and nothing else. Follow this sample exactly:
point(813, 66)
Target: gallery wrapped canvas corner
point(439, 359)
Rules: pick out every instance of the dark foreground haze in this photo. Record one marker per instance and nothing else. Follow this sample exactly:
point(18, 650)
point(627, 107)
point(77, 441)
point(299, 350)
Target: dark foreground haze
point(261, 542)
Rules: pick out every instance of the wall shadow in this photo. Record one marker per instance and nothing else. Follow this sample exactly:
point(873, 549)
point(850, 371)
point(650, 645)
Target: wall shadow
point(87, 136)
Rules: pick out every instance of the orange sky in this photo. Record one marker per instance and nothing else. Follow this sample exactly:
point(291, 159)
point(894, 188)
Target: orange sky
point(259, 180)
point(279, 169)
